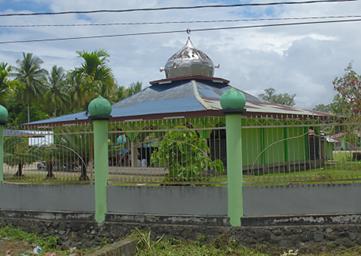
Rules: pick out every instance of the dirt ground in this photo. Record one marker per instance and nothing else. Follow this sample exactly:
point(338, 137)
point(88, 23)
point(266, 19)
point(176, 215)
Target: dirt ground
point(14, 247)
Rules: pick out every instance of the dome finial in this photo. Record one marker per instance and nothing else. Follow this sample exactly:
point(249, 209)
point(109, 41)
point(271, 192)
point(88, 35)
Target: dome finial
point(189, 41)
point(189, 61)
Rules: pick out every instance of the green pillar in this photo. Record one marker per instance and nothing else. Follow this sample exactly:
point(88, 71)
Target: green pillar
point(1, 154)
point(3, 119)
point(99, 111)
point(233, 104)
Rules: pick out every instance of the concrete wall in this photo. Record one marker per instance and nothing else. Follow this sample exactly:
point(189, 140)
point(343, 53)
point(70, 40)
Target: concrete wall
point(301, 200)
point(177, 200)
point(168, 200)
point(78, 198)
point(80, 230)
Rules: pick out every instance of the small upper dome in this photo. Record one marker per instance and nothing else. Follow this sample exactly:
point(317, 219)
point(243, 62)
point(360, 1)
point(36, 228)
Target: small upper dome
point(189, 61)
point(99, 107)
point(3, 114)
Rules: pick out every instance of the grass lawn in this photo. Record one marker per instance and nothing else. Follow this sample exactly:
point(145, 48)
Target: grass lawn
point(41, 179)
point(313, 176)
point(341, 171)
point(224, 247)
point(14, 246)
point(19, 242)
point(171, 248)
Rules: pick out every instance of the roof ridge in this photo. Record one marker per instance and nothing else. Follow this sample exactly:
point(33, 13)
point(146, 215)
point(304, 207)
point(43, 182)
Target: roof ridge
point(197, 95)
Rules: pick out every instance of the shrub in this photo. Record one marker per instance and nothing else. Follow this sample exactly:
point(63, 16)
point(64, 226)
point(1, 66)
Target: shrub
point(186, 155)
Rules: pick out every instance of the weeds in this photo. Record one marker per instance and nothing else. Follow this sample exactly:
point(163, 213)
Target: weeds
point(47, 243)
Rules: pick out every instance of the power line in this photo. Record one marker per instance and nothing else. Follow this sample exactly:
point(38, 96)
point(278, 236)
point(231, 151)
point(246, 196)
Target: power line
point(178, 22)
point(178, 31)
point(174, 8)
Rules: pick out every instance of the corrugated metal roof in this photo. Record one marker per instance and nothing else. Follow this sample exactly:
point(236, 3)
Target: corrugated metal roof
point(180, 96)
point(23, 133)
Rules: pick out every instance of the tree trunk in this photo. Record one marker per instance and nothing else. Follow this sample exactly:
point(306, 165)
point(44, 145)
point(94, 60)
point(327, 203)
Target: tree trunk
point(49, 168)
point(134, 154)
point(83, 172)
point(28, 113)
point(19, 172)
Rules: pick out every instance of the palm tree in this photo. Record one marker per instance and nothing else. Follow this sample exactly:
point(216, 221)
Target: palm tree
point(80, 94)
point(56, 95)
point(4, 80)
point(93, 78)
point(123, 92)
point(134, 88)
point(33, 78)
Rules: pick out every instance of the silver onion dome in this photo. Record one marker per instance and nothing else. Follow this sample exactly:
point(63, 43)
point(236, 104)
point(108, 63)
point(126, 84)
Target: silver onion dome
point(189, 61)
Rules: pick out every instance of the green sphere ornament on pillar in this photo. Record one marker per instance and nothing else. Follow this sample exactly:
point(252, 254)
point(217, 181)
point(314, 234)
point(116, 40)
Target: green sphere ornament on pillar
point(3, 115)
point(233, 100)
point(233, 103)
point(99, 108)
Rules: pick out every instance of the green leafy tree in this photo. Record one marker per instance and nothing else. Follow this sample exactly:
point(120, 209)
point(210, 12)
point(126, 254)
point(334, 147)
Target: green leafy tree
point(134, 88)
point(347, 101)
point(186, 155)
point(323, 108)
point(338, 106)
point(5, 87)
point(32, 77)
point(123, 92)
point(348, 87)
point(48, 153)
point(270, 95)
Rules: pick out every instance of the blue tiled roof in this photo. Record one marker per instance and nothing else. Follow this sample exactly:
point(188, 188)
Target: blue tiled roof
point(183, 96)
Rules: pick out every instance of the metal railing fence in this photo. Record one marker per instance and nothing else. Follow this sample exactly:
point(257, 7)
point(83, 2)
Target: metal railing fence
point(174, 151)
point(53, 155)
point(188, 151)
point(302, 153)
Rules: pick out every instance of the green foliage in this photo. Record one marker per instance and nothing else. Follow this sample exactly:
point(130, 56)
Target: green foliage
point(347, 101)
point(32, 93)
point(124, 92)
point(47, 243)
point(349, 88)
point(5, 87)
point(56, 95)
point(339, 105)
point(17, 151)
point(342, 156)
point(322, 108)
point(281, 98)
point(32, 78)
point(145, 241)
point(185, 154)
point(75, 142)
point(172, 247)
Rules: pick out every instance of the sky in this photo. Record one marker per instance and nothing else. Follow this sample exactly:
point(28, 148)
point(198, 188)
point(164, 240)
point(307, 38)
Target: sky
point(301, 60)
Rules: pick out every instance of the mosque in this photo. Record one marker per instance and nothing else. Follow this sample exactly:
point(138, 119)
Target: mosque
point(190, 90)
